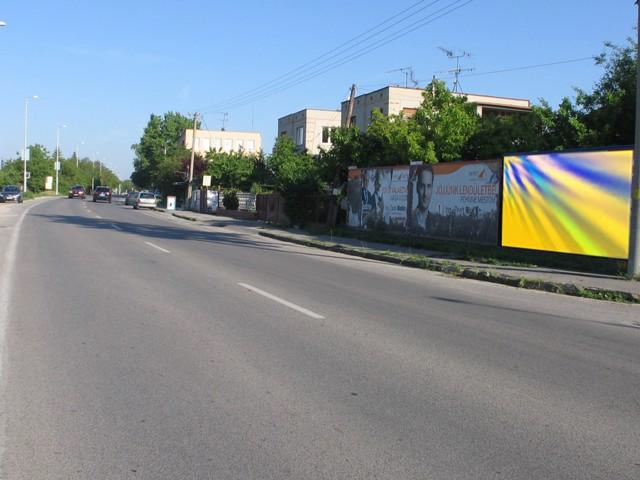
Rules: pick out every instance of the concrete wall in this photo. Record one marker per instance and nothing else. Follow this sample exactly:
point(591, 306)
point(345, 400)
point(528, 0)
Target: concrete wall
point(311, 122)
point(227, 141)
point(396, 100)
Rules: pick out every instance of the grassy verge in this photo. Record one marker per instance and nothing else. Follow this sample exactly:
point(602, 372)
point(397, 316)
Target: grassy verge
point(492, 255)
point(457, 270)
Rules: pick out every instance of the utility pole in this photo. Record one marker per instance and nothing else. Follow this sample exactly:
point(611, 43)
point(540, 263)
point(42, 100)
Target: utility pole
point(193, 155)
point(352, 101)
point(633, 269)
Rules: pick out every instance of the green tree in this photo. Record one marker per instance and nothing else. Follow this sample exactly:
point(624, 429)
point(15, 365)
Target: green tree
point(609, 111)
point(445, 122)
point(297, 178)
point(346, 150)
point(392, 140)
point(159, 149)
point(231, 170)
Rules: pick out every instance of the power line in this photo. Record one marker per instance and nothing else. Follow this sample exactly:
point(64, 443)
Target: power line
point(450, 8)
point(529, 67)
point(315, 62)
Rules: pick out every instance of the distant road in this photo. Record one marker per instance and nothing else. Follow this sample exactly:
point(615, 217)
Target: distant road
point(137, 346)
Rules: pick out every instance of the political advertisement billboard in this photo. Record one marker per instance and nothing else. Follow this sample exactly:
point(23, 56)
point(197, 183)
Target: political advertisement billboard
point(568, 202)
point(457, 200)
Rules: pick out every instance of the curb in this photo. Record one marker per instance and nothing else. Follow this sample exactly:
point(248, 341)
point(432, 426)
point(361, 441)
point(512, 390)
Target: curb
point(191, 219)
point(456, 270)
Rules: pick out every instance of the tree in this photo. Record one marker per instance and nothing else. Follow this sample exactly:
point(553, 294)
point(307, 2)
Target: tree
point(297, 178)
point(392, 140)
point(445, 122)
point(346, 150)
point(158, 148)
point(231, 170)
point(609, 111)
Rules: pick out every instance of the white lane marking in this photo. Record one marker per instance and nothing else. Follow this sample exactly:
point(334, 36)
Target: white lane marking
point(282, 301)
point(156, 246)
point(6, 284)
point(116, 227)
point(98, 216)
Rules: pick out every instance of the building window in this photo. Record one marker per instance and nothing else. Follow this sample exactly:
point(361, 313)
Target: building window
point(283, 134)
point(353, 120)
point(300, 136)
point(217, 143)
point(409, 112)
point(326, 134)
point(251, 146)
point(204, 144)
point(239, 145)
point(228, 145)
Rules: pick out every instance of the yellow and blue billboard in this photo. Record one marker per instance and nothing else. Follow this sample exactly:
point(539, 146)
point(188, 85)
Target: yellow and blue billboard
point(568, 202)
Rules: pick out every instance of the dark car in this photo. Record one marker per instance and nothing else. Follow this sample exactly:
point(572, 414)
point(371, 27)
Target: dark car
point(77, 191)
point(11, 193)
point(131, 198)
point(102, 194)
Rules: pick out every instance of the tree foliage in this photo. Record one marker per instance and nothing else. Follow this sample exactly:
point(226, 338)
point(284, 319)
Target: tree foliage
point(41, 165)
point(608, 112)
point(159, 154)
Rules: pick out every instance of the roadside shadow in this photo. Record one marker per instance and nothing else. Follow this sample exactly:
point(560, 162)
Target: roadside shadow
point(168, 232)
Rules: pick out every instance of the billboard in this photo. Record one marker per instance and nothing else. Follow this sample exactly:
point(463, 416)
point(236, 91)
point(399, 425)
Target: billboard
point(455, 200)
point(451, 200)
point(568, 202)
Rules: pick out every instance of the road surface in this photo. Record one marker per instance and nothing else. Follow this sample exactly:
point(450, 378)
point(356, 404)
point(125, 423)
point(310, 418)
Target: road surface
point(138, 346)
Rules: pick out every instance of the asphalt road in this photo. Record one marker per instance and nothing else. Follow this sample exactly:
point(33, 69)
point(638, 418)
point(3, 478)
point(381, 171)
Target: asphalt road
point(138, 346)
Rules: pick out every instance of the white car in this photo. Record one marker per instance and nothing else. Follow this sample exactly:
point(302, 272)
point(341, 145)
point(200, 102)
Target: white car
point(145, 200)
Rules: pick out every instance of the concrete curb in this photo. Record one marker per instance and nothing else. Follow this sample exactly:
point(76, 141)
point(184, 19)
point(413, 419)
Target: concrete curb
point(456, 270)
point(185, 217)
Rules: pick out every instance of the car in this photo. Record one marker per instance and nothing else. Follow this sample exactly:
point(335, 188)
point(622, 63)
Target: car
point(145, 199)
point(11, 193)
point(102, 194)
point(131, 198)
point(77, 191)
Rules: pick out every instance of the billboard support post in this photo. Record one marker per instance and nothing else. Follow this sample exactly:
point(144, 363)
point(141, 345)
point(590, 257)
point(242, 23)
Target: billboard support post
point(634, 230)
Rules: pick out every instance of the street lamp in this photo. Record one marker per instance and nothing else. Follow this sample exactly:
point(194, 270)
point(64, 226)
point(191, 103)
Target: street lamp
point(78, 153)
point(58, 153)
point(24, 152)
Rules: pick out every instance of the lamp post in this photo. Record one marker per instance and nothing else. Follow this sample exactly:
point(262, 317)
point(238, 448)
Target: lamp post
point(633, 268)
point(78, 153)
point(58, 154)
point(24, 152)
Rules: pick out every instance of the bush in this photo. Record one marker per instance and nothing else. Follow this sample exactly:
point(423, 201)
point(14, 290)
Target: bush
point(230, 200)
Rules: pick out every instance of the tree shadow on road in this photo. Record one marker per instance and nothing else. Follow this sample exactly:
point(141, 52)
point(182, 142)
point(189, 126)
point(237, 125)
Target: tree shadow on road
point(168, 232)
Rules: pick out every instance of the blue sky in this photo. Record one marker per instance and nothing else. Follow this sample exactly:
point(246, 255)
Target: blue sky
point(102, 67)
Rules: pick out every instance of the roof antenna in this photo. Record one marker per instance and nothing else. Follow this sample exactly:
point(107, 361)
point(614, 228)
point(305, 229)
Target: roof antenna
point(458, 70)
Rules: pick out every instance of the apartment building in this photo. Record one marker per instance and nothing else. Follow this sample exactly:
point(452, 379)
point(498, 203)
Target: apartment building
point(395, 100)
point(310, 129)
point(222, 140)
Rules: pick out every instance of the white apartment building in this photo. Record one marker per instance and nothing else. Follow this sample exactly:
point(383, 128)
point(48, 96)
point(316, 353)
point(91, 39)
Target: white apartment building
point(310, 129)
point(396, 100)
point(223, 140)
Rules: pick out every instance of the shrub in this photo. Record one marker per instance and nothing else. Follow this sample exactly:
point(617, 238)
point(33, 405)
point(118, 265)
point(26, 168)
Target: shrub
point(230, 200)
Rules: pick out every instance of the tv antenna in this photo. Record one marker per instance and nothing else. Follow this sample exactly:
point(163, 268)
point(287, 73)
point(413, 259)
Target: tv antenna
point(408, 75)
point(225, 119)
point(458, 70)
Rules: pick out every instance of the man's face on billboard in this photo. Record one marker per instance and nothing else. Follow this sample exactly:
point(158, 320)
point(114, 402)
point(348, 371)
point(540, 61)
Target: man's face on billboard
point(424, 187)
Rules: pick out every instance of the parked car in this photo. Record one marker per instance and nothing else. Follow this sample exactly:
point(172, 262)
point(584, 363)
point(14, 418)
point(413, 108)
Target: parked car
point(11, 193)
point(77, 191)
point(145, 199)
point(102, 194)
point(131, 198)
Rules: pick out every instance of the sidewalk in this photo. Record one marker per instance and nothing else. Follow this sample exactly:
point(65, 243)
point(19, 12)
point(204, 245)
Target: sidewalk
point(584, 284)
